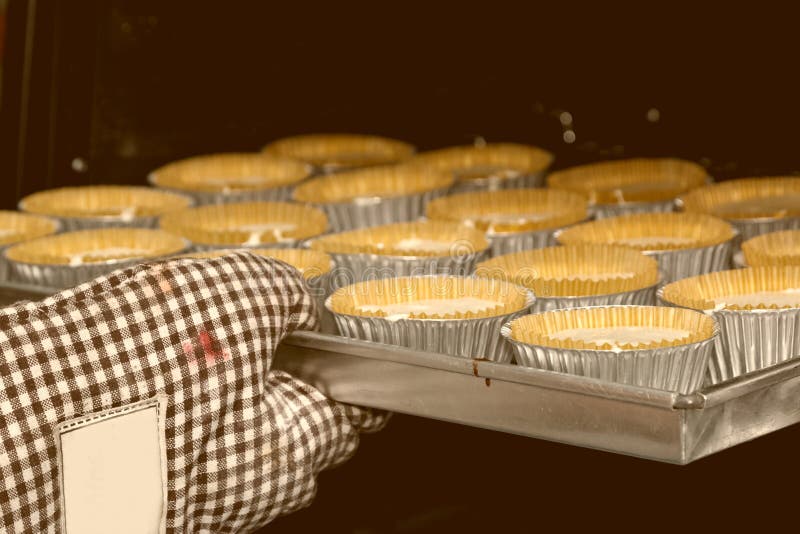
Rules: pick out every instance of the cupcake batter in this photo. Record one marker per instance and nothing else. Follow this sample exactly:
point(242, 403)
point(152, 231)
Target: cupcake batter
point(402, 310)
point(621, 335)
point(257, 231)
point(651, 241)
point(427, 245)
point(106, 254)
point(788, 298)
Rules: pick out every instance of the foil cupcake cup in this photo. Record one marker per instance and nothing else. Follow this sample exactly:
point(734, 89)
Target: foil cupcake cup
point(490, 167)
point(232, 177)
point(754, 206)
point(471, 334)
point(776, 248)
point(578, 276)
point(513, 220)
point(683, 244)
point(758, 312)
point(104, 206)
point(329, 153)
point(374, 196)
point(403, 249)
point(316, 268)
point(68, 259)
point(631, 186)
point(17, 227)
point(246, 225)
point(589, 342)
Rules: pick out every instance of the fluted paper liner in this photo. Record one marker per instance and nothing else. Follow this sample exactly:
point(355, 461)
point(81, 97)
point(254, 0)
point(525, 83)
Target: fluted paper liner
point(631, 180)
point(215, 173)
point(383, 240)
point(17, 227)
point(310, 263)
point(701, 292)
point(537, 328)
point(96, 246)
point(539, 209)
point(337, 151)
point(377, 182)
point(226, 224)
point(510, 298)
point(104, 201)
point(776, 248)
point(498, 160)
point(747, 198)
point(569, 271)
point(694, 231)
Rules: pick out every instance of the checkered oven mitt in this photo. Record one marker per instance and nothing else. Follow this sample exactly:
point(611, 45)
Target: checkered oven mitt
point(243, 443)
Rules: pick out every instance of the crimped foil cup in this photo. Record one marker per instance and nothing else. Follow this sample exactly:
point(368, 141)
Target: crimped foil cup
point(246, 224)
point(754, 206)
point(513, 220)
point(578, 276)
point(17, 227)
point(490, 167)
point(330, 153)
point(374, 196)
point(403, 249)
point(684, 244)
point(751, 336)
point(315, 266)
point(232, 177)
point(776, 248)
point(631, 186)
point(677, 364)
point(104, 206)
point(468, 335)
point(69, 259)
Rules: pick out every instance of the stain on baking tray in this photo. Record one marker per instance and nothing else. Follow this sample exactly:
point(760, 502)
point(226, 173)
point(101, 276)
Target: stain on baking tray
point(475, 365)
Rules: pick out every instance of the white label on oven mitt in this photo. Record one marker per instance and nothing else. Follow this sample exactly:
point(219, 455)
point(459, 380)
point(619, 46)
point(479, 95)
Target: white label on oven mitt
point(113, 470)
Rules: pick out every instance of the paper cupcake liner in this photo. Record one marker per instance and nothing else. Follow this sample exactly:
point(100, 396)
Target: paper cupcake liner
point(43, 261)
point(337, 152)
point(677, 366)
point(18, 227)
point(387, 240)
point(249, 224)
point(88, 207)
point(777, 248)
point(469, 336)
point(606, 211)
point(501, 213)
point(574, 271)
point(750, 338)
point(231, 177)
point(631, 181)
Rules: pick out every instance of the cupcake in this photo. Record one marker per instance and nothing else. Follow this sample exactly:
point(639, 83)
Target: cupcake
point(246, 224)
point(646, 346)
point(578, 276)
point(18, 227)
point(683, 244)
point(753, 205)
point(453, 315)
point(232, 177)
point(489, 167)
point(758, 311)
point(69, 259)
point(104, 206)
point(330, 153)
point(375, 196)
point(403, 249)
point(316, 268)
point(632, 185)
point(513, 220)
point(775, 248)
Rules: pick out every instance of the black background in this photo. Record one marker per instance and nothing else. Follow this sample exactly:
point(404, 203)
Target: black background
point(128, 85)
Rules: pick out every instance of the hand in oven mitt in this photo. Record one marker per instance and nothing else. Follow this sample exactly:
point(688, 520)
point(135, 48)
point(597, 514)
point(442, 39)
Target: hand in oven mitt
point(242, 444)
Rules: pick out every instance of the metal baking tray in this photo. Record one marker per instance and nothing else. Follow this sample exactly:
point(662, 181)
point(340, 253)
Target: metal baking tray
point(653, 424)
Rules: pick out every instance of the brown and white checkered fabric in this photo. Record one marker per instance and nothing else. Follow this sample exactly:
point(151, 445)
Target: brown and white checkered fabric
point(244, 443)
